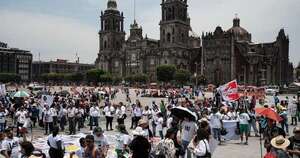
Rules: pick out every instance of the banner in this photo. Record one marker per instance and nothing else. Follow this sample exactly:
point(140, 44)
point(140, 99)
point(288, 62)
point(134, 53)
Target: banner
point(2, 89)
point(46, 99)
point(229, 91)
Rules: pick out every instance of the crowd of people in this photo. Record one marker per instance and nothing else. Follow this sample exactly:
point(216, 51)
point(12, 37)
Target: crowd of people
point(154, 130)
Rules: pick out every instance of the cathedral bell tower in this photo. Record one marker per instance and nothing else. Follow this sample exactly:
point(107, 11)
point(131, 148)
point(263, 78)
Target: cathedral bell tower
point(174, 24)
point(111, 39)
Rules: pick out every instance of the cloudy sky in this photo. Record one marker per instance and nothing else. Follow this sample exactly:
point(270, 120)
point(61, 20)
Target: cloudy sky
point(62, 28)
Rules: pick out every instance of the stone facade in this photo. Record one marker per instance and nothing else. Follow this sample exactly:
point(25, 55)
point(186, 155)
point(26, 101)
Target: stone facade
point(231, 54)
point(222, 55)
point(178, 44)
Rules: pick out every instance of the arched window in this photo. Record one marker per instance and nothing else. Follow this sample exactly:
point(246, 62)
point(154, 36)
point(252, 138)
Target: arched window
point(105, 44)
point(168, 37)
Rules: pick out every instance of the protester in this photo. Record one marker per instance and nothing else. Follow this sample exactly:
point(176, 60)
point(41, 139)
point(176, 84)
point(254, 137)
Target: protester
point(11, 144)
point(91, 150)
point(48, 120)
point(294, 147)
point(100, 140)
point(109, 112)
point(189, 129)
point(279, 145)
point(140, 146)
point(200, 144)
point(94, 115)
point(159, 125)
point(122, 141)
point(244, 125)
point(80, 152)
point(26, 149)
point(166, 147)
point(72, 111)
point(56, 144)
point(216, 124)
point(21, 117)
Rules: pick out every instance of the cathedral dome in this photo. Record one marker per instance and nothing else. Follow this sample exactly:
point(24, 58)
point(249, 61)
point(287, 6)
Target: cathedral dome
point(112, 5)
point(236, 29)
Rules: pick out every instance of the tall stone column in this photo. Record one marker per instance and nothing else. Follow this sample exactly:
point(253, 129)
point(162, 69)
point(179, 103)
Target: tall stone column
point(233, 65)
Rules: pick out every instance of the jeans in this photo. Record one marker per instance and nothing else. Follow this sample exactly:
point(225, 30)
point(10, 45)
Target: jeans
point(284, 123)
point(93, 122)
point(161, 134)
point(109, 122)
point(253, 125)
point(217, 134)
point(2, 127)
point(72, 125)
point(62, 123)
point(48, 127)
point(185, 145)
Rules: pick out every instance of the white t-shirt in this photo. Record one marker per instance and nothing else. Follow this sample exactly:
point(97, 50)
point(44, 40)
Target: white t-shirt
point(21, 116)
point(48, 116)
point(12, 145)
point(53, 141)
point(244, 118)
point(109, 111)
point(202, 148)
point(94, 111)
point(121, 140)
point(54, 112)
point(101, 141)
point(189, 129)
point(159, 124)
point(72, 112)
point(138, 112)
point(215, 120)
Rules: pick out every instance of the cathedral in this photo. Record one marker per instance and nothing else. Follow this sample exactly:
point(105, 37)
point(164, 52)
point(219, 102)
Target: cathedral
point(220, 56)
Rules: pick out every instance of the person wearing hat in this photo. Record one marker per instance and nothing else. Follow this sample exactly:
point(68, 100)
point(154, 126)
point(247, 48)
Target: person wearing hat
point(294, 147)
point(279, 145)
point(122, 140)
point(100, 139)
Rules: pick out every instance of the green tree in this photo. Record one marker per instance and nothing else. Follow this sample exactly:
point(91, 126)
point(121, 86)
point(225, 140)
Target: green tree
point(106, 78)
point(165, 73)
point(74, 77)
point(140, 78)
point(93, 75)
point(9, 77)
point(182, 76)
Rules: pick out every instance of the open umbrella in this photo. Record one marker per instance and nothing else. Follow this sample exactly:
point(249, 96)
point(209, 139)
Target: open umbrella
point(21, 94)
point(268, 113)
point(182, 112)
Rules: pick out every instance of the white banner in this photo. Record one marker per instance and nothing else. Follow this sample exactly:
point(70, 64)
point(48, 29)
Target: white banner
point(46, 99)
point(2, 89)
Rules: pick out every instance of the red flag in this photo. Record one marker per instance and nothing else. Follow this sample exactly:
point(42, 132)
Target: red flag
point(229, 91)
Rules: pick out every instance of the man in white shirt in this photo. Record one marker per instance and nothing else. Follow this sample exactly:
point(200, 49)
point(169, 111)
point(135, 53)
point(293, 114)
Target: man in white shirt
point(72, 112)
point(244, 125)
point(188, 130)
point(21, 118)
point(3, 114)
point(121, 113)
point(215, 120)
point(47, 119)
point(109, 111)
point(94, 114)
point(11, 144)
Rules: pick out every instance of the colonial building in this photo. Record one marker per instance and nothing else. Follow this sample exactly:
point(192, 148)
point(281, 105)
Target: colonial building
point(16, 61)
point(231, 54)
point(222, 55)
point(58, 66)
point(178, 44)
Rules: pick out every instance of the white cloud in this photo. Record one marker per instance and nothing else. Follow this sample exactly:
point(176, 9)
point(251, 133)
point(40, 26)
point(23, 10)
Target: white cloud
point(53, 37)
